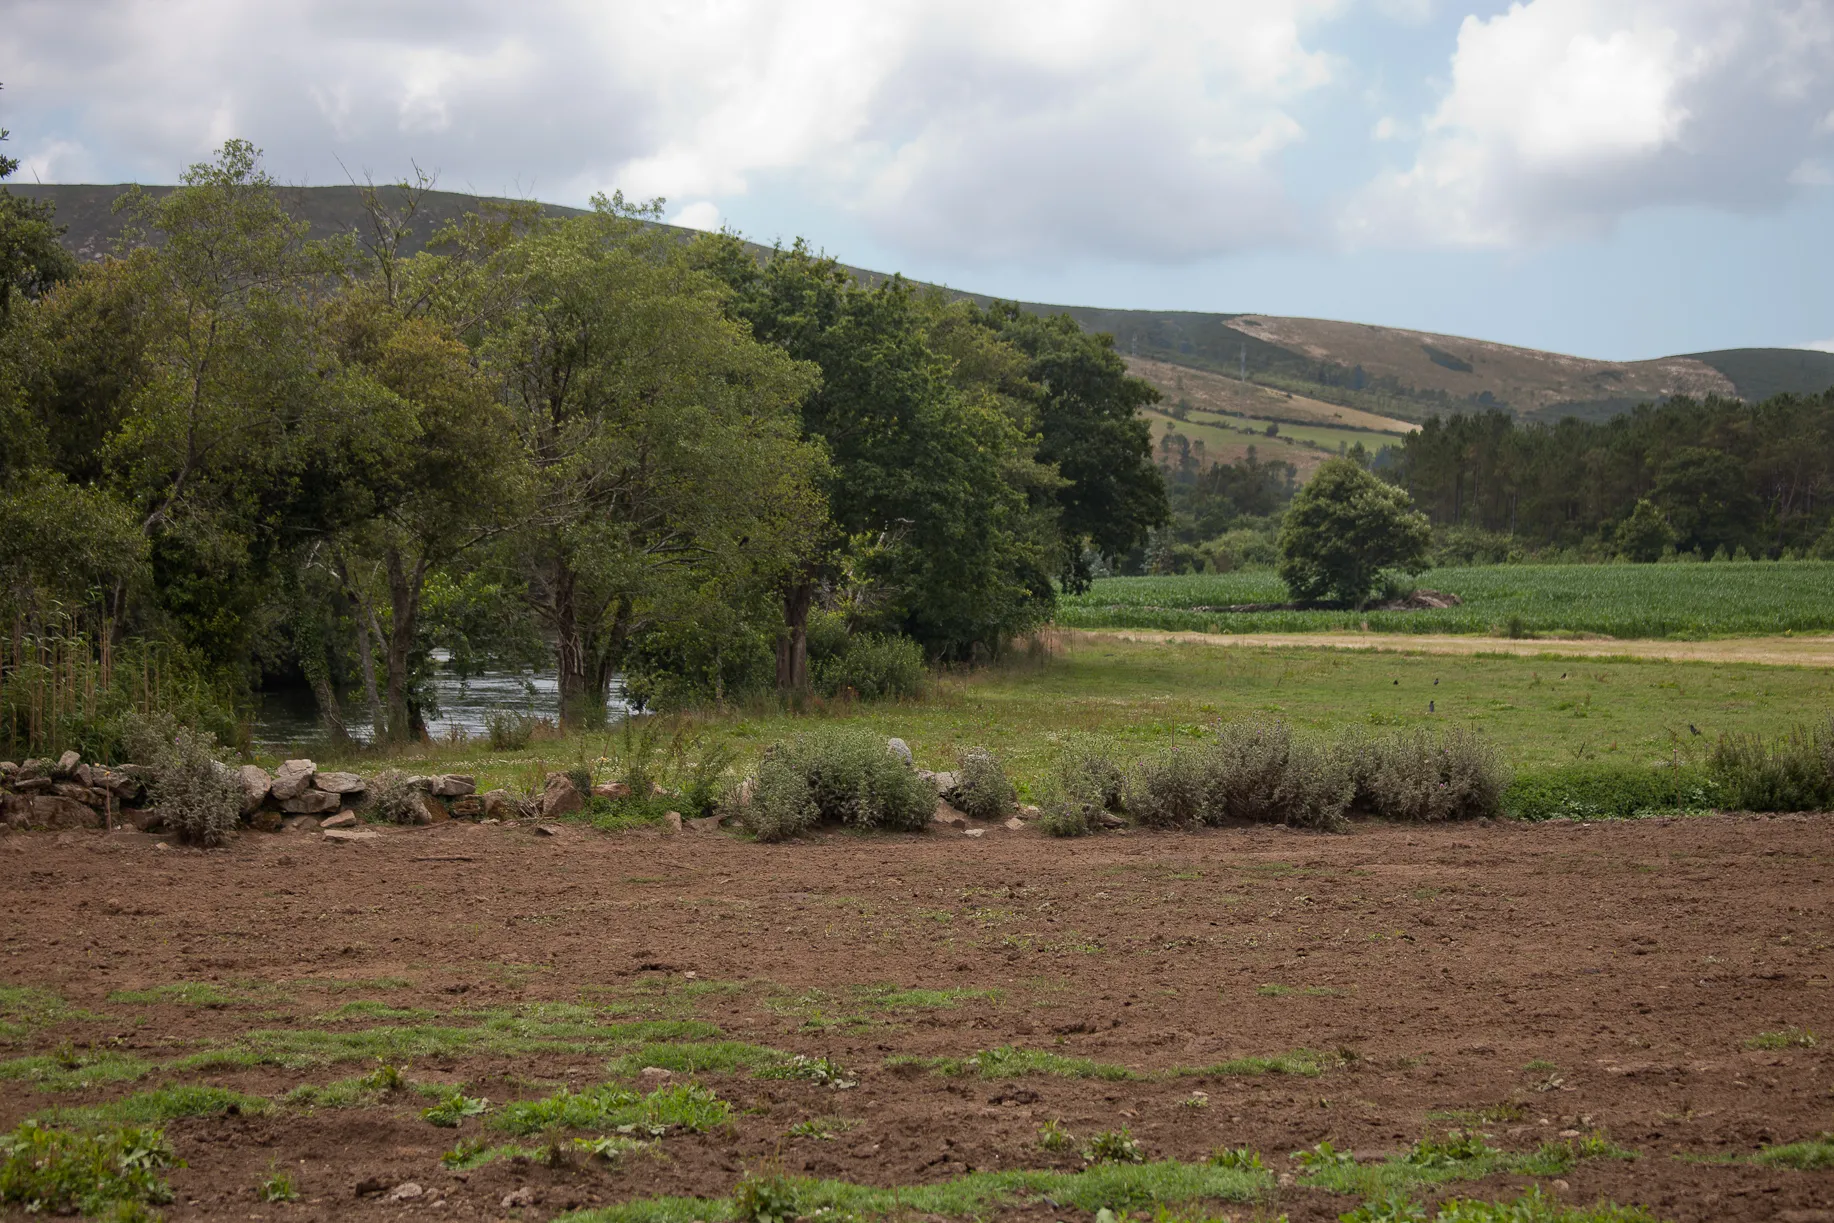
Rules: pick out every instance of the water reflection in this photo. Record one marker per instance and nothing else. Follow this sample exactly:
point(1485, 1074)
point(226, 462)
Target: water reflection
point(291, 717)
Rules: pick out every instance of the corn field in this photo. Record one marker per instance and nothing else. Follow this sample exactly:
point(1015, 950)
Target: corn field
point(1679, 601)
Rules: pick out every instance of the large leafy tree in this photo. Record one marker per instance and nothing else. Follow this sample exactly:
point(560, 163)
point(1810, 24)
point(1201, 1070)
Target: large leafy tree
point(1090, 429)
point(661, 439)
point(924, 446)
point(1344, 529)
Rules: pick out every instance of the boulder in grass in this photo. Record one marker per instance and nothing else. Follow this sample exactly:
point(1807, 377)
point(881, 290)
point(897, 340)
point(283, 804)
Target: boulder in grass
point(294, 778)
point(255, 786)
point(454, 785)
point(339, 783)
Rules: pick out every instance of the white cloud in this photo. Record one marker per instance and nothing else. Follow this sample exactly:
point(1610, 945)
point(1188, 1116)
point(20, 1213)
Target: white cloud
point(1028, 128)
point(1563, 115)
point(1819, 345)
point(701, 214)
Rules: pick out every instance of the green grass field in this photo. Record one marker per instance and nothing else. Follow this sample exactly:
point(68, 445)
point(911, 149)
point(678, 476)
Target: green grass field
point(1538, 711)
point(1672, 601)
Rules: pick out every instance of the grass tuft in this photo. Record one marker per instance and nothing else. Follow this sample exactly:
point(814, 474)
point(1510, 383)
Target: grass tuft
point(49, 1171)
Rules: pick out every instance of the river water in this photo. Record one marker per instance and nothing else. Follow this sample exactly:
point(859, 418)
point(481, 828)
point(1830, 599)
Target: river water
point(290, 717)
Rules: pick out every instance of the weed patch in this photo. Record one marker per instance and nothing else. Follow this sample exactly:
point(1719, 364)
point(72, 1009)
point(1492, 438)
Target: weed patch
point(1788, 1038)
point(1532, 1207)
point(48, 1171)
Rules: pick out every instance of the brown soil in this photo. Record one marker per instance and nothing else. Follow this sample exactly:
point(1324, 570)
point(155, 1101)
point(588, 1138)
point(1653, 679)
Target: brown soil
point(1636, 959)
point(1774, 651)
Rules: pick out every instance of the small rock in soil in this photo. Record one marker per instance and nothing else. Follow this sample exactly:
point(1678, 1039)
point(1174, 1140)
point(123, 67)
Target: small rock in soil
point(352, 834)
point(548, 830)
point(945, 814)
point(1015, 823)
point(975, 832)
point(518, 1197)
point(343, 819)
point(405, 1191)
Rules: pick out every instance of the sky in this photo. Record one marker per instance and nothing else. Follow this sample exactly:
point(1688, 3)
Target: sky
point(1613, 178)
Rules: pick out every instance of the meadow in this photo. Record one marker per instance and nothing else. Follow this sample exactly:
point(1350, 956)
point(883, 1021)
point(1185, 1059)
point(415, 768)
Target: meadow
point(1683, 601)
point(1539, 712)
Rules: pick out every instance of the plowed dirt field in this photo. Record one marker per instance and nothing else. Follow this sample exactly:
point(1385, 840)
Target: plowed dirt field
point(1541, 984)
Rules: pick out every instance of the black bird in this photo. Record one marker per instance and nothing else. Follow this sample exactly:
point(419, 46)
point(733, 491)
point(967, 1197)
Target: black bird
point(1397, 683)
point(1429, 707)
point(1435, 681)
point(1693, 729)
point(1563, 675)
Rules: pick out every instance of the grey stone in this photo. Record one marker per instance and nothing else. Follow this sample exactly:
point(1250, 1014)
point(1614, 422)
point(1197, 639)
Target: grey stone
point(118, 783)
point(499, 804)
point(352, 834)
point(310, 802)
point(549, 830)
point(343, 819)
point(454, 785)
point(56, 811)
point(947, 815)
point(339, 783)
point(294, 777)
point(706, 823)
point(899, 748)
point(67, 764)
point(560, 797)
point(975, 832)
point(34, 785)
point(255, 784)
point(82, 775)
point(406, 1191)
point(945, 782)
point(1015, 824)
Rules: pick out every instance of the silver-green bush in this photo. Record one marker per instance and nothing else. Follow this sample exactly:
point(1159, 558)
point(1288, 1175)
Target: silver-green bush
point(982, 790)
point(1425, 777)
point(198, 796)
point(391, 798)
point(835, 775)
point(1085, 785)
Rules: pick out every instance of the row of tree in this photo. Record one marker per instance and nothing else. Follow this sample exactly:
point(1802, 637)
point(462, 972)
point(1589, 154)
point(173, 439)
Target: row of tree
point(1697, 476)
point(589, 440)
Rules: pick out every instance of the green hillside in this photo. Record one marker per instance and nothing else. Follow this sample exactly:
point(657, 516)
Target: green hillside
point(1389, 372)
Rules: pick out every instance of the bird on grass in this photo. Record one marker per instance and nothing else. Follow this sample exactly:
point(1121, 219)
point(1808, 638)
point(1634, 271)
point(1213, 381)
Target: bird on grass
point(1429, 707)
point(1693, 729)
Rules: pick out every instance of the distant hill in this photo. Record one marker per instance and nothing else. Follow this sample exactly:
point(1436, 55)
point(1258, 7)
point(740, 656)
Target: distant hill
point(1305, 371)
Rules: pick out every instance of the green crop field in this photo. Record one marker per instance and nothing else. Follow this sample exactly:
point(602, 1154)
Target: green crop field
point(1673, 601)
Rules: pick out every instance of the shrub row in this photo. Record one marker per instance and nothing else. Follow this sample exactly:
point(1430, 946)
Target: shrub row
point(1259, 772)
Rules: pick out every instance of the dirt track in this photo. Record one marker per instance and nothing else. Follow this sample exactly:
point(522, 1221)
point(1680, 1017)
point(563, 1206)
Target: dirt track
point(1627, 963)
point(1774, 651)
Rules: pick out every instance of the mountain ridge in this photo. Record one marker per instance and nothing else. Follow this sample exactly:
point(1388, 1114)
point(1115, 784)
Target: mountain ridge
point(1395, 373)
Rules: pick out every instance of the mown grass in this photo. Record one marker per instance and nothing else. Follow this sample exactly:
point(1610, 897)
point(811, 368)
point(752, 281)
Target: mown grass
point(155, 1107)
point(74, 1071)
point(501, 1034)
point(1102, 1187)
point(608, 1107)
point(1458, 1157)
point(1673, 601)
point(1809, 1155)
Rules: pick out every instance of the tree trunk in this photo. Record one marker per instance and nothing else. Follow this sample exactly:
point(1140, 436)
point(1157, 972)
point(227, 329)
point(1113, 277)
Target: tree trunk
point(368, 633)
point(404, 587)
point(793, 642)
point(330, 716)
point(570, 648)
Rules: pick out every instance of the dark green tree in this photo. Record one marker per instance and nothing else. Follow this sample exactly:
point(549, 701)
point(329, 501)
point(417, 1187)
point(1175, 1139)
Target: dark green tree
point(1644, 535)
point(1090, 429)
point(1344, 529)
